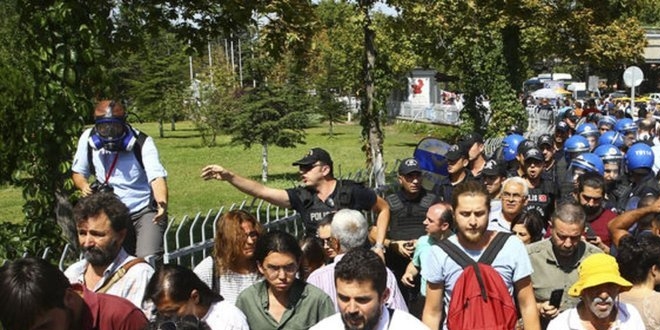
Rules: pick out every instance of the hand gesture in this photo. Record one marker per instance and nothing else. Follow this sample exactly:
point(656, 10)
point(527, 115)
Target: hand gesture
point(214, 172)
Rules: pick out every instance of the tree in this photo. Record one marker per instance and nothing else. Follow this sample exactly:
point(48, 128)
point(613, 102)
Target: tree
point(272, 114)
point(214, 109)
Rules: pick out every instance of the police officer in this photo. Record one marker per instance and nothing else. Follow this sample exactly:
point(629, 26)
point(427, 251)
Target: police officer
point(319, 194)
point(125, 161)
point(408, 207)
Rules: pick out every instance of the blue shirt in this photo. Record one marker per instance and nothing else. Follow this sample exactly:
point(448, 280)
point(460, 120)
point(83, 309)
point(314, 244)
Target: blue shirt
point(129, 180)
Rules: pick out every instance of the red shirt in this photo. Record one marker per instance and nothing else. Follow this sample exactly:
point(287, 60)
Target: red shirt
point(599, 225)
point(107, 312)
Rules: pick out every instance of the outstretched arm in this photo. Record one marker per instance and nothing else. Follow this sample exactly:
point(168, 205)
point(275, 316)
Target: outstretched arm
point(619, 226)
point(274, 196)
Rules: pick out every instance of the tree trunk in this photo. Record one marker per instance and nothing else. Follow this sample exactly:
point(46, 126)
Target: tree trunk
point(173, 124)
point(264, 162)
point(370, 115)
point(161, 131)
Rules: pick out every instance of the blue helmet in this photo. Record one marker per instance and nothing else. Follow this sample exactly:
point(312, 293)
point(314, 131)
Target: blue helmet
point(576, 143)
point(608, 153)
point(639, 156)
point(587, 129)
point(611, 137)
point(625, 126)
point(607, 120)
point(510, 146)
point(589, 162)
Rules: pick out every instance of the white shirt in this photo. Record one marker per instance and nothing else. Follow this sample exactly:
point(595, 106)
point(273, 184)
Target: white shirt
point(400, 320)
point(324, 279)
point(627, 318)
point(131, 286)
point(225, 316)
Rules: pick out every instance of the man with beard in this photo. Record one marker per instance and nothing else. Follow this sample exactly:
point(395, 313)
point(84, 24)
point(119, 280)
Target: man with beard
point(321, 193)
point(542, 192)
point(470, 203)
point(591, 195)
point(102, 221)
point(555, 260)
point(598, 289)
point(360, 280)
point(36, 295)
point(514, 198)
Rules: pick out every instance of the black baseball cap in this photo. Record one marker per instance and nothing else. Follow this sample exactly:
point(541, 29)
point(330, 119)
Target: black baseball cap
point(493, 168)
point(409, 165)
point(571, 115)
point(470, 139)
point(561, 126)
point(545, 139)
point(524, 146)
point(456, 152)
point(313, 156)
point(533, 153)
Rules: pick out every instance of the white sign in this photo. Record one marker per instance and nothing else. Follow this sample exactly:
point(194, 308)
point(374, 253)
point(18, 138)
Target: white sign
point(633, 76)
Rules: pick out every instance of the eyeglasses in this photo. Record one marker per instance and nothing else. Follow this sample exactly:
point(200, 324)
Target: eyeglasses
point(514, 196)
point(288, 269)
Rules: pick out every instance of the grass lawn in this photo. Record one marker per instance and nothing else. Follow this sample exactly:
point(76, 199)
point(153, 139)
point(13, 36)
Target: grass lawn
point(183, 156)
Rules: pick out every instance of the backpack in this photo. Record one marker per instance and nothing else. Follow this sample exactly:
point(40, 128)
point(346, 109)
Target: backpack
point(480, 299)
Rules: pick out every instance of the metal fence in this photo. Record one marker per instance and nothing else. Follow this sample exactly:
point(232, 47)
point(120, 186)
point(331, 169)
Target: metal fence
point(189, 240)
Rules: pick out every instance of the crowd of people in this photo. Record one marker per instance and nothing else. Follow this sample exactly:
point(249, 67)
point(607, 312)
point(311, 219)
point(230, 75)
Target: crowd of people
point(558, 231)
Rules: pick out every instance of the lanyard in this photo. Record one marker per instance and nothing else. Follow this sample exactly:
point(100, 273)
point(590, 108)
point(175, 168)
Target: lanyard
point(112, 168)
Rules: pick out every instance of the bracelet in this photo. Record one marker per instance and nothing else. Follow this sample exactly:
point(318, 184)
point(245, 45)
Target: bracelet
point(379, 246)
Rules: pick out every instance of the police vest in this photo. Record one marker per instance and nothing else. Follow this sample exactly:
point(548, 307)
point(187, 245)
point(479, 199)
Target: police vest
point(407, 217)
point(314, 209)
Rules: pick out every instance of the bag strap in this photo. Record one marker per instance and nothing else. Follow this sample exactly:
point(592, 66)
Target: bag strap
point(119, 274)
point(456, 254)
point(494, 248)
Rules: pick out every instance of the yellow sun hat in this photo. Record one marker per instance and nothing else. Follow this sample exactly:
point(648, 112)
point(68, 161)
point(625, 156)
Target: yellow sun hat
point(597, 269)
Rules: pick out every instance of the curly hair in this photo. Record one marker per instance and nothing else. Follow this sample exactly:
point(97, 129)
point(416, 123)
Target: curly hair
point(230, 238)
point(636, 256)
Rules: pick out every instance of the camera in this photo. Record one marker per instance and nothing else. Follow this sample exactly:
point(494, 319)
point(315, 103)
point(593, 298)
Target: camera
point(100, 187)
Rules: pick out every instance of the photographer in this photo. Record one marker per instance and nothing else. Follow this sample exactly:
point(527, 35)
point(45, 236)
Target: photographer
point(125, 161)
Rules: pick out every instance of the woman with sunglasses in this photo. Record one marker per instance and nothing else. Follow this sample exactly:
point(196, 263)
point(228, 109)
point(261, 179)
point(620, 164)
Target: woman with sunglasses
point(281, 300)
point(232, 268)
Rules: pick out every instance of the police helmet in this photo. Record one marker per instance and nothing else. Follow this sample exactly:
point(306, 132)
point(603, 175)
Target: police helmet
point(639, 156)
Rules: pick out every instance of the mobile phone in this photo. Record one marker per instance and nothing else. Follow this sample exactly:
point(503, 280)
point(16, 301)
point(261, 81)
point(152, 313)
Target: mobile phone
point(590, 234)
point(555, 297)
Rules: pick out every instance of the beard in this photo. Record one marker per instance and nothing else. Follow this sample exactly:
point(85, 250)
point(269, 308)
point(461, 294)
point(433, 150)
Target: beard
point(368, 323)
point(599, 313)
point(591, 210)
point(99, 256)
